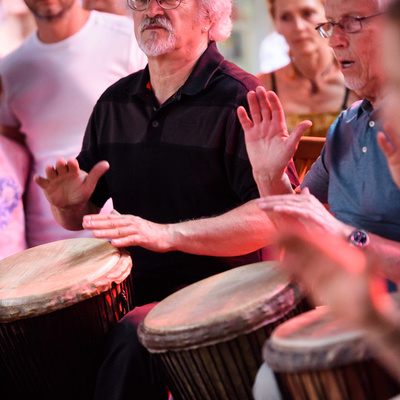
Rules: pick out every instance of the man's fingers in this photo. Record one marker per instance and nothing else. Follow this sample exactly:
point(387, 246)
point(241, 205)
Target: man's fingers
point(42, 182)
point(97, 172)
point(385, 145)
point(244, 119)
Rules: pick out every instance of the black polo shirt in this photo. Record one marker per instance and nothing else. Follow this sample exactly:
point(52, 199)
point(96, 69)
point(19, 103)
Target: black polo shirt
point(185, 159)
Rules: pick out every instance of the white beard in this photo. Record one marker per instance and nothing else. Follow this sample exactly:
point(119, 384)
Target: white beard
point(153, 47)
point(354, 83)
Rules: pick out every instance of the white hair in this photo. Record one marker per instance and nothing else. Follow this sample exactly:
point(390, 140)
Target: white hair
point(382, 4)
point(219, 12)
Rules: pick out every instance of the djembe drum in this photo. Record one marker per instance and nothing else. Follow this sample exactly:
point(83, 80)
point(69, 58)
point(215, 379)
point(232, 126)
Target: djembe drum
point(317, 357)
point(58, 301)
point(209, 335)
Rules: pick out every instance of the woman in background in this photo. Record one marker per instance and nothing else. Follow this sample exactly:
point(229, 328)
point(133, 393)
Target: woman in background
point(311, 87)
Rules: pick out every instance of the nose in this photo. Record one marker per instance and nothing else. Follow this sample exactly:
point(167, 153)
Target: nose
point(153, 9)
point(338, 38)
point(299, 23)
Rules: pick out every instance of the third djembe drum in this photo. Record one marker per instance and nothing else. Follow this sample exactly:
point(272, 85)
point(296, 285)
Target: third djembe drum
point(318, 357)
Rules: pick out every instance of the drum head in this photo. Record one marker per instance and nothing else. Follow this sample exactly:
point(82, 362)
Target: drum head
point(314, 340)
point(220, 307)
point(52, 276)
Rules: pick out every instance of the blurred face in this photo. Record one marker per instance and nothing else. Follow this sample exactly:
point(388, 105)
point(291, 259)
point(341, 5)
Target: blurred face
point(357, 52)
point(296, 21)
point(160, 31)
point(391, 62)
point(49, 9)
point(111, 6)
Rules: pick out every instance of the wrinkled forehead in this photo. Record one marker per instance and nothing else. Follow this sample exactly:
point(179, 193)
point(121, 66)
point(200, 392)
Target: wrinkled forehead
point(336, 9)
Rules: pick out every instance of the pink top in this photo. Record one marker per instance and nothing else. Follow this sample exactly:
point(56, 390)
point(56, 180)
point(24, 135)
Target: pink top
point(14, 171)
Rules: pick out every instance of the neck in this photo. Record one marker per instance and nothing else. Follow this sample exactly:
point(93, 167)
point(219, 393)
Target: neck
point(170, 71)
point(57, 29)
point(314, 68)
point(376, 101)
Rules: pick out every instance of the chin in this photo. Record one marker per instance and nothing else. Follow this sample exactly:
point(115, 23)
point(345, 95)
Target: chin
point(354, 83)
point(154, 47)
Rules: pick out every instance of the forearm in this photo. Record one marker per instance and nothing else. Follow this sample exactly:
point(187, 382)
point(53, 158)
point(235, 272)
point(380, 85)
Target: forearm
point(71, 218)
point(240, 231)
point(387, 250)
point(389, 254)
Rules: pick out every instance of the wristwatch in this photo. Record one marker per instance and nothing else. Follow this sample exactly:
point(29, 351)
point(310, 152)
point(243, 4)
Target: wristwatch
point(359, 238)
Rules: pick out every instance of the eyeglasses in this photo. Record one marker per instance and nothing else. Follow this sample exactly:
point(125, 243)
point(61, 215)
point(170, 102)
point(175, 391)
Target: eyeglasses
point(141, 5)
point(347, 24)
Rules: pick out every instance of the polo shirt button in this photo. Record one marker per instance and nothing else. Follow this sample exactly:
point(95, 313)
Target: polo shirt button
point(155, 124)
point(364, 149)
point(371, 124)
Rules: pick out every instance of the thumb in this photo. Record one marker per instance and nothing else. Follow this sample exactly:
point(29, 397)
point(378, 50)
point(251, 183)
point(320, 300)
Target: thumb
point(42, 182)
point(97, 172)
point(386, 146)
point(297, 133)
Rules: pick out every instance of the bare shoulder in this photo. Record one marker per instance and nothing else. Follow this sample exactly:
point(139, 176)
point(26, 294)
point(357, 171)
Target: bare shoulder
point(266, 79)
point(283, 74)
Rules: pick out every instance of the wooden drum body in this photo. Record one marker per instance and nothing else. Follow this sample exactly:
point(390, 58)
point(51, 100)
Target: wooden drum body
point(209, 335)
point(317, 357)
point(57, 304)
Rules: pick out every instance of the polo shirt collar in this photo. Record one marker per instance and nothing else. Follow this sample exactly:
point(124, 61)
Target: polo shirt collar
point(208, 64)
point(202, 73)
point(365, 107)
point(138, 87)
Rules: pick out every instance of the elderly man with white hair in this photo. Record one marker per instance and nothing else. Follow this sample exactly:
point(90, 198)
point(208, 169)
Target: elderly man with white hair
point(166, 145)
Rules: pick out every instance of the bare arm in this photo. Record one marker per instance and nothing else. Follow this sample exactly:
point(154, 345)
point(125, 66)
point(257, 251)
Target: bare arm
point(239, 231)
point(349, 281)
point(268, 143)
point(12, 133)
point(68, 189)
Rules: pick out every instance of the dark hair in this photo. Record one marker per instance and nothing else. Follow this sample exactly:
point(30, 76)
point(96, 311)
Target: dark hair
point(271, 4)
point(393, 11)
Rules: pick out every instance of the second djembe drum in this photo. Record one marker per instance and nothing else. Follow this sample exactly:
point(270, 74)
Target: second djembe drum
point(209, 335)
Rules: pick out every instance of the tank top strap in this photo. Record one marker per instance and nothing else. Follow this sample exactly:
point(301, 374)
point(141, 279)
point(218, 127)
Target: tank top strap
point(273, 83)
point(346, 98)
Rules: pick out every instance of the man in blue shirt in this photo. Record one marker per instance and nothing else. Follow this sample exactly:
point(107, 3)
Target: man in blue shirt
point(351, 175)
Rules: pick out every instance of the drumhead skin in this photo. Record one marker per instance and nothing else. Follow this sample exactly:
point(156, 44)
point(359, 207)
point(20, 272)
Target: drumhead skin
point(56, 275)
point(314, 340)
point(220, 308)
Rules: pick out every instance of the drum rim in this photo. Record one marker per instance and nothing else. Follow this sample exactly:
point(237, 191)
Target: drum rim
point(16, 308)
point(318, 356)
point(230, 327)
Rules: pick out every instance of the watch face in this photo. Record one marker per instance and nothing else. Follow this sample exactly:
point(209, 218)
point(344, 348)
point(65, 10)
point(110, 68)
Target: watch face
point(359, 238)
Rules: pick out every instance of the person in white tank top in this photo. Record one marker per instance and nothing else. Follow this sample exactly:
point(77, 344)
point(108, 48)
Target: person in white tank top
point(50, 85)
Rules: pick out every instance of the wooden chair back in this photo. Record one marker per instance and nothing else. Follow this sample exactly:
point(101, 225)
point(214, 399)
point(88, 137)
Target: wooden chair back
point(307, 152)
